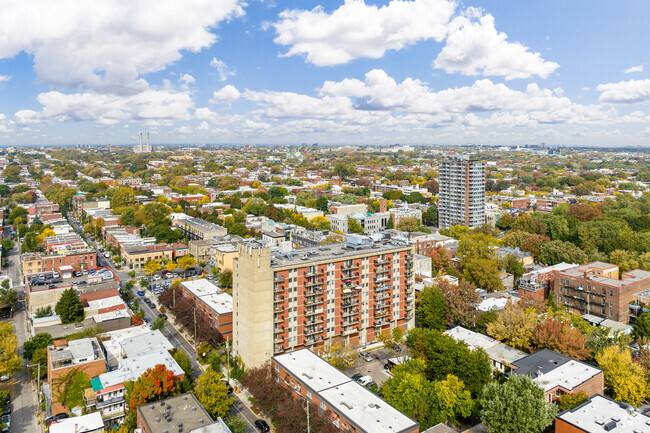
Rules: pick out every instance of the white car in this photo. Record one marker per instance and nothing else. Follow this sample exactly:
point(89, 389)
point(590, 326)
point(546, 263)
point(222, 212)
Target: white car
point(156, 277)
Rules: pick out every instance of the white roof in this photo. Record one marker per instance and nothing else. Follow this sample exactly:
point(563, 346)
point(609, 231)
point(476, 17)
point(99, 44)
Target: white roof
point(78, 424)
point(219, 302)
point(471, 338)
point(568, 375)
point(312, 370)
point(200, 287)
point(598, 411)
point(105, 303)
point(152, 341)
point(82, 348)
point(131, 369)
point(103, 317)
point(370, 413)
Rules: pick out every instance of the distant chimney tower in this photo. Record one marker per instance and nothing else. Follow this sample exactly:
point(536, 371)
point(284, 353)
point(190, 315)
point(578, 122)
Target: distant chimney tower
point(147, 140)
point(140, 139)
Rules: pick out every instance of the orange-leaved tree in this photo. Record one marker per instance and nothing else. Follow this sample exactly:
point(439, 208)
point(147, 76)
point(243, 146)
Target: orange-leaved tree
point(155, 384)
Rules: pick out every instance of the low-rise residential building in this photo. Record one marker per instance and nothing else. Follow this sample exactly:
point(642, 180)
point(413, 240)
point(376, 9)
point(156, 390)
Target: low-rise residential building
point(307, 212)
point(136, 256)
point(602, 414)
point(223, 255)
point(399, 213)
point(62, 357)
point(62, 244)
point(501, 355)
point(200, 249)
point(595, 288)
point(89, 423)
point(213, 302)
point(36, 263)
point(350, 406)
point(371, 223)
point(536, 285)
point(523, 257)
point(179, 249)
point(558, 374)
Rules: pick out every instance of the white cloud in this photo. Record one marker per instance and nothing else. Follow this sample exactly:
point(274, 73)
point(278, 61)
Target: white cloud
point(107, 45)
point(153, 106)
point(187, 79)
point(633, 69)
point(4, 78)
point(356, 29)
point(222, 69)
point(476, 47)
point(6, 125)
point(625, 92)
point(225, 95)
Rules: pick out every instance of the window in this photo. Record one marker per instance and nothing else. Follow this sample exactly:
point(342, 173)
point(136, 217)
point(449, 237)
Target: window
point(611, 293)
point(309, 395)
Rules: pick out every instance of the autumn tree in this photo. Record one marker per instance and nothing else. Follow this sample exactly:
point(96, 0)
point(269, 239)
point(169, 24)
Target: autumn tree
point(354, 226)
point(186, 261)
point(321, 223)
point(408, 224)
point(212, 393)
point(569, 401)
point(514, 325)
point(560, 337)
point(440, 260)
point(10, 362)
point(517, 405)
point(460, 300)
point(484, 273)
point(623, 377)
point(155, 384)
point(152, 266)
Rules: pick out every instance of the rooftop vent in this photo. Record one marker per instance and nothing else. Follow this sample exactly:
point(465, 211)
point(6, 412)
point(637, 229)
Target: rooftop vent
point(193, 408)
point(157, 420)
point(346, 404)
point(610, 426)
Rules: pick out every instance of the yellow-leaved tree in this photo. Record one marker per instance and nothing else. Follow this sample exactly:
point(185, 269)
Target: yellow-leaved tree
point(212, 393)
point(623, 376)
point(10, 362)
point(186, 261)
point(514, 325)
point(152, 266)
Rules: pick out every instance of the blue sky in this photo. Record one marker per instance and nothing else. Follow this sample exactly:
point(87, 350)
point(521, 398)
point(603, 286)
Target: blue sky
point(411, 71)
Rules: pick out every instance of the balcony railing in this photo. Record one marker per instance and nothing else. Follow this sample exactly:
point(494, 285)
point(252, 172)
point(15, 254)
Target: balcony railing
point(278, 319)
point(278, 279)
point(314, 273)
point(349, 267)
point(382, 313)
point(278, 308)
point(380, 289)
point(350, 312)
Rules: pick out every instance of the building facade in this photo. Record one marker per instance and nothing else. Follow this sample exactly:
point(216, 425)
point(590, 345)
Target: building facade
point(213, 302)
point(595, 288)
point(462, 193)
point(346, 293)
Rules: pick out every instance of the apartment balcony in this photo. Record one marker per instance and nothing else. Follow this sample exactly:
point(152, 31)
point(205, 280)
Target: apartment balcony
point(350, 274)
point(314, 273)
point(382, 297)
point(381, 289)
point(383, 304)
point(278, 299)
point(278, 330)
point(313, 282)
point(313, 292)
point(314, 301)
point(350, 331)
point(382, 313)
point(278, 289)
point(351, 321)
point(349, 284)
point(314, 320)
point(278, 340)
point(311, 341)
point(349, 267)
point(278, 319)
point(278, 309)
point(314, 331)
point(109, 402)
point(409, 298)
point(381, 279)
point(278, 279)
point(408, 316)
point(279, 349)
point(350, 312)
point(381, 261)
point(350, 303)
point(349, 294)
point(313, 311)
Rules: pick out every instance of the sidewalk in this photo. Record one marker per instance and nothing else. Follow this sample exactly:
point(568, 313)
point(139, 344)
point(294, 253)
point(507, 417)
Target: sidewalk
point(244, 397)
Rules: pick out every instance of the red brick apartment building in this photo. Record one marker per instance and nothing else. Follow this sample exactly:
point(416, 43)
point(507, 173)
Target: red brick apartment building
point(595, 288)
point(350, 406)
point(344, 293)
point(35, 263)
point(213, 303)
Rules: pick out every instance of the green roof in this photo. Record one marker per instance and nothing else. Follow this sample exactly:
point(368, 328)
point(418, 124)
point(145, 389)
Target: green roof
point(96, 384)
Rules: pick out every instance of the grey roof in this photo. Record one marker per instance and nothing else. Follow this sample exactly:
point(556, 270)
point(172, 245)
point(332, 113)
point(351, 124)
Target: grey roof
point(543, 361)
point(182, 409)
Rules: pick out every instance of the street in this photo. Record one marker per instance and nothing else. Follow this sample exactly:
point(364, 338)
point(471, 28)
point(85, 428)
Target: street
point(172, 334)
point(21, 388)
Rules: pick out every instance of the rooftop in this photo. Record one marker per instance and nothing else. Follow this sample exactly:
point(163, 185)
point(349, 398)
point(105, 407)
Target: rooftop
point(201, 287)
point(166, 415)
point(153, 341)
point(131, 369)
point(601, 414)
point(312, 370)
point(568, 375)
point(629, 277)
point(79, 424)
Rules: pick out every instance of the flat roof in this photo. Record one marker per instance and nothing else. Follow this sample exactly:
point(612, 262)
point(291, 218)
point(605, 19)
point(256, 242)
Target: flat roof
point(131, 369)
point(568, 375)
point(366, 411)
point(221, 303)
point(598, 411)
point(111, 301)
point(201, 287)
point(471, 338)
point(153, 341)
point(90, 422)
point(629, 277)
point(182, 409)
point(313, 371)
point(362, 408)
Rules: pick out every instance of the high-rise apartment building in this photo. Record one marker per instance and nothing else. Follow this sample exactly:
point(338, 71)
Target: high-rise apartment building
point(346, 293)
point(462, 192)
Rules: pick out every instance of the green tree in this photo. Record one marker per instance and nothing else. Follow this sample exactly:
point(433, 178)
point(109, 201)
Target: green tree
point(354, 226)
point(484, 273)
point(212, 393)
point(514, 266)
point(408, 224)
point(69, 307)
point(38, 341)
point(10, 362)
point(569, 401)
point(505, 221)
point(236, 424)
point(556, 252)
point(641, 326)
point(159, 323)
point(514, 325)
point(184, 362)
point(517, 405)
point(322, 204)
point(431, 311)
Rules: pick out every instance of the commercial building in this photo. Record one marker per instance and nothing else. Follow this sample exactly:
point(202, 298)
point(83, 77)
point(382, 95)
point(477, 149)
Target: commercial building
point(350, 406)
point(62, 357)
point(558, 374)
point(346, 293)
point(602, 414)
point(462, 193)
point(213, 302)
point(136, 256)
point(223, 255)
point(196, 228)
point(36, 263)
point(595, 288)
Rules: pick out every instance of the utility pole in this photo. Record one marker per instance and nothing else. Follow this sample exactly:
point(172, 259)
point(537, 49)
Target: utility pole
point(194, 328)
point(307, 410)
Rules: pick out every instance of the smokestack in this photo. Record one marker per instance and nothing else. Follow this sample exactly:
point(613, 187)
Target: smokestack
point(140, 139)
point(147, 139)
point(383, 205)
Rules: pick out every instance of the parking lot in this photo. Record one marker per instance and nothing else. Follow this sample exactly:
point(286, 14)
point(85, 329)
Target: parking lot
point(375, 368)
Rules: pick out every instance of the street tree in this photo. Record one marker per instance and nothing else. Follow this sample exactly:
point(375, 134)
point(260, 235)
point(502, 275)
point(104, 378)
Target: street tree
point(517, 405)
point(431, 311)
point(186, 261)
point(514, 325)
point(212, 393)
point(560, 337)
point(69, 307)
point(10, 362)
point(156, 383)
point(623, 377)
point(152, 266)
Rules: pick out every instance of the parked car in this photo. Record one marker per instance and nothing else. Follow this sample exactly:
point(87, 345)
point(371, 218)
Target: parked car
point(140, 293)
point(163, 315)
point(77, 273)
point(6, 419)
point(156, 277)
point(5, 377)
point(56, 274)
point(56, 280)
point(57, 417)
point(397, 348)
point(365, 380)
point(365, 356)
point(262, 426)
point(357, 376)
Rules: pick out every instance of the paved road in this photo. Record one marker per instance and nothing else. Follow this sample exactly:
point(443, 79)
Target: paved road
point(174, 337)
point(21, 388)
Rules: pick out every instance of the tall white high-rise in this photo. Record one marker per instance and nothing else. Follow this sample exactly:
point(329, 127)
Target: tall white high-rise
point(462, 192)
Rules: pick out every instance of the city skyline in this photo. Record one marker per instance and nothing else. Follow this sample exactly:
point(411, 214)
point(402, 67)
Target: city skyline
point(340, 72)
